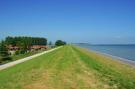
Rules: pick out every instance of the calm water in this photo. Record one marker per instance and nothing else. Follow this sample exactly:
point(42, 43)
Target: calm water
point(123, 51)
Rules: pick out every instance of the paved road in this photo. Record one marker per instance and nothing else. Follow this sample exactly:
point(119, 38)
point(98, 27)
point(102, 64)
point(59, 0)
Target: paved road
point(4, 66)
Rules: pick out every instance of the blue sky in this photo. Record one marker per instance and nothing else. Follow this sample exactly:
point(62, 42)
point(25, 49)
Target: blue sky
point(93, 21)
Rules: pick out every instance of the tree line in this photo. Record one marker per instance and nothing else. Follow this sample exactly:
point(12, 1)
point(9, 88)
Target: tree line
point(23, 43)
point(16, 41)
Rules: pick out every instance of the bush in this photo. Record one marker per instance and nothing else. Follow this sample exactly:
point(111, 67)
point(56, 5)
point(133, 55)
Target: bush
point(60, 43)
point(6, 58)
point(22, 51)
point(17, 52)
point(2, 59)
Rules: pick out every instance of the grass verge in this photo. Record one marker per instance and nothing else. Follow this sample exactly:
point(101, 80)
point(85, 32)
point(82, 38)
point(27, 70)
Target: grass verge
point(69, 68)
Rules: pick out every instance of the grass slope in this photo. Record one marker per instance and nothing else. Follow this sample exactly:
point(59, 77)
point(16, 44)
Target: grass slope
point(69, 68)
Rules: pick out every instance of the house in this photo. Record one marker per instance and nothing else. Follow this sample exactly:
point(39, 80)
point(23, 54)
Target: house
point(38, 47)
point(13, 49)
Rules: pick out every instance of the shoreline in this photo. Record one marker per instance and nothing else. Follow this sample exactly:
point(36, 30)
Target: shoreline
point(120, 59)
point(123, 60)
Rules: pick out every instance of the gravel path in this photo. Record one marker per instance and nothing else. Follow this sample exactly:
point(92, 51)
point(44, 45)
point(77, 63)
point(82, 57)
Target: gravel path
point(4, 66)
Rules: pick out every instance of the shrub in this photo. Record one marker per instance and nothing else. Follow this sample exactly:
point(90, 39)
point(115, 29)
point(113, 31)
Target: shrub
point(17, 52)
point(60, 43)
point(22, 51)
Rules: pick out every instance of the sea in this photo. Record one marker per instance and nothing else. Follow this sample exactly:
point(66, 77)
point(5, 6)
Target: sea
point(122, 51)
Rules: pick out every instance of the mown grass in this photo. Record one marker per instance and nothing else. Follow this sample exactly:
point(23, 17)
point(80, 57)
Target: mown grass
point(116, 74)
point(69, 68)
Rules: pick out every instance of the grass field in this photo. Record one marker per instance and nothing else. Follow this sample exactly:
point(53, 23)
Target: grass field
point(69, 68)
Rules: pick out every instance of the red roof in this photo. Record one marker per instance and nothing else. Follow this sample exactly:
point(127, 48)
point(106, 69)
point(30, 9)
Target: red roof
point(12, 47)
point(38, 46)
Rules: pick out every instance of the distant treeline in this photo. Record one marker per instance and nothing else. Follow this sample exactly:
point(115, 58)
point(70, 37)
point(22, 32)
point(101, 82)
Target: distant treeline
point(17, 41)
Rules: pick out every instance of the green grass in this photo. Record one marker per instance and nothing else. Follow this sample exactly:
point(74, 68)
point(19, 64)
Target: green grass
point(20, 56)
point(16, 57)
point(69, 68)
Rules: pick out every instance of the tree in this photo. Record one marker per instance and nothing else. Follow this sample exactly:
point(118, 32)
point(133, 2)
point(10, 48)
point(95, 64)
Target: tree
point(25, 42)
point(10, 41)
point(60, 43)
point(4, 55)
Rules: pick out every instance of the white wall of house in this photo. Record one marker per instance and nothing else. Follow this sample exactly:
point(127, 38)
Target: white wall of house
point(12, 52)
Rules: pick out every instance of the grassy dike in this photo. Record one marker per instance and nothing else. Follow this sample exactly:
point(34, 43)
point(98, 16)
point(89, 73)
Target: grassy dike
point(69, 68)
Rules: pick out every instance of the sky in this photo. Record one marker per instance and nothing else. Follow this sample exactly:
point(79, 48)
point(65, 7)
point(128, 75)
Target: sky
point(85, 21)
